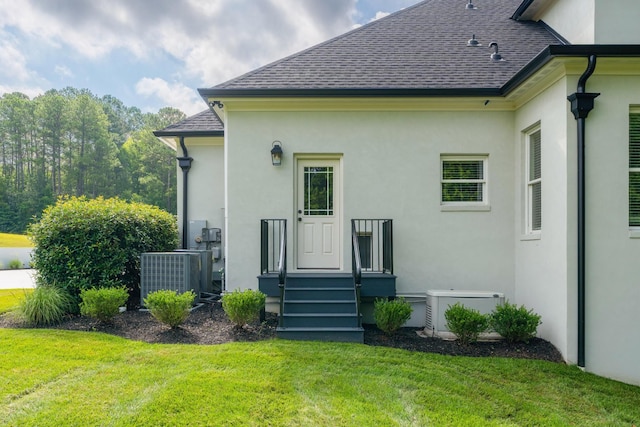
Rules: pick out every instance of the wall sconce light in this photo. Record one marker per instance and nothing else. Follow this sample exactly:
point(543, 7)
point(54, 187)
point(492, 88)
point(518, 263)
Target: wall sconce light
point(276, 153)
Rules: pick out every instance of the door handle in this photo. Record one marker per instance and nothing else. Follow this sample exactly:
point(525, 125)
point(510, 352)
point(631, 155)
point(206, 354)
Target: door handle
point(299, 213)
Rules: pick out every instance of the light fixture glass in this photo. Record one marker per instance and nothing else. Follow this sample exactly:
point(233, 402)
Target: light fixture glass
point(276, 153)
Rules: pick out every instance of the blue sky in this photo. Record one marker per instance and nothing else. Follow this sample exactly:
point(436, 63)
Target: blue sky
point(156, 53)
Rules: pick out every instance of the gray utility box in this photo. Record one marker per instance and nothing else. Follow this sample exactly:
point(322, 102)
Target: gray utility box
point(206, 268)
point(177, 271)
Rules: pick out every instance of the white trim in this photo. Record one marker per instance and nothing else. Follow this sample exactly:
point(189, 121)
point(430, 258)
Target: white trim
point(459, 206)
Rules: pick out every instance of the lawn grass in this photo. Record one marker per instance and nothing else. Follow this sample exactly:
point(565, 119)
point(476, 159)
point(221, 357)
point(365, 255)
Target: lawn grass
point(14, 241)
point(52, 378)
point(10, 298)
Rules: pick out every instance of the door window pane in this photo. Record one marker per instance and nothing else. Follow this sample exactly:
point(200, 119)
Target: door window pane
point(318, 191)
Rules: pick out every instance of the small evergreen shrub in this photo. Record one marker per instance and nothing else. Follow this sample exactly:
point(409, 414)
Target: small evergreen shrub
point(391, 315)
point(243, 307)
point(513, 323)
point(170, 307)
point(466, 323)
point(46, 305)
point(103, 304)
point(15, 264)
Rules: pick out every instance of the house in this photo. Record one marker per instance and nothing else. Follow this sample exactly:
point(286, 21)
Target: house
point(487, 144)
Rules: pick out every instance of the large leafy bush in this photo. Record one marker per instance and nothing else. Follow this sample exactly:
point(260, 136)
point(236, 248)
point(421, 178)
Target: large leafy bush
point(85, 243)
point(391, 315)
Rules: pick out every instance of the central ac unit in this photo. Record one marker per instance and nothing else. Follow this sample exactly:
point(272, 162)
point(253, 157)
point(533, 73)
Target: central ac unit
point(178, 271)
point(439, 300)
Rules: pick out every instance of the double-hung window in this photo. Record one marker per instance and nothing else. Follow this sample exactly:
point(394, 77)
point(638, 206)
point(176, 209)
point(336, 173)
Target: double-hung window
point(534, 181)
point(634, 169)
point(464, 182)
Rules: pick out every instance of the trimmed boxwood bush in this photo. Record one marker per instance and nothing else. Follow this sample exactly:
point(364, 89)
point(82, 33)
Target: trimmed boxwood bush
point(466, 323)
point(103, 304)
point(243, 307)
point(391, 315)
point(85, 243)
point(170, 307)
point(513, 323)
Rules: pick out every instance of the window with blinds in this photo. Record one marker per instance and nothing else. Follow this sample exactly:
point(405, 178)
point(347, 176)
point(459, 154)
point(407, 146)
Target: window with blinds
point(534, 182)
point(463, 180)
point(634, 169)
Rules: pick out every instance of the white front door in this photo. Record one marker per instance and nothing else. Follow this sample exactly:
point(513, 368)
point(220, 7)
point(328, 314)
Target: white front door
point(318, 213)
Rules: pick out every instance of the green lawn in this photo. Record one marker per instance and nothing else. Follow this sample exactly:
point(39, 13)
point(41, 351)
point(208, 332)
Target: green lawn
point(10, 298)
point(61, 378)
point(14, 241)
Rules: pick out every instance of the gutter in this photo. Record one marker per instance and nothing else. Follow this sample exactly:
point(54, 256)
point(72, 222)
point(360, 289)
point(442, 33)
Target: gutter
point(582, 103)
point(185, 164)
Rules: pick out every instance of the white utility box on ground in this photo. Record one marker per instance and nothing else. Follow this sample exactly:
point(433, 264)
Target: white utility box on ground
point(438, 300)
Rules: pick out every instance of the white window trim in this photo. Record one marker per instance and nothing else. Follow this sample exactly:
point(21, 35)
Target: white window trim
point(530, 233)
point(482, 206)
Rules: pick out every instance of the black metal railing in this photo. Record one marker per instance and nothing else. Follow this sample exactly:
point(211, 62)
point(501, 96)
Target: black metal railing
point(375, 242)
point(356, 268)
point(273, 253)
point(271, 231)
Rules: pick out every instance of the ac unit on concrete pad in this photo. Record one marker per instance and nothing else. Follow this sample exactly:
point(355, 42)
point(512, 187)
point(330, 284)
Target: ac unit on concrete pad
point(178, 271)
point(206, 267)
point(438, 301)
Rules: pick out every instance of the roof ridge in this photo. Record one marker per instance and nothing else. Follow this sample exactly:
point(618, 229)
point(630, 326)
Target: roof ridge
point(317, 45)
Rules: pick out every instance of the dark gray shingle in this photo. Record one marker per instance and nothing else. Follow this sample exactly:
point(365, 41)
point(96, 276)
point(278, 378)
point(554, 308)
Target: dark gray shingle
point(421, 47)
point(203, 123)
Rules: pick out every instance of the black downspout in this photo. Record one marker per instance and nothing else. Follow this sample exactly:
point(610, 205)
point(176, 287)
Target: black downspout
point(185, 164)
point(581, 105)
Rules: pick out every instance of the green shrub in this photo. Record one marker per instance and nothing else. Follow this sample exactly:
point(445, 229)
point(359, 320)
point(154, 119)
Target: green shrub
point(243, 307)
point(466, 323)
point(103, 304)
point(513, 323)
point(82, 243)
point(391, 315)
point(169, 307)
point(46, 305)
point(15, 264)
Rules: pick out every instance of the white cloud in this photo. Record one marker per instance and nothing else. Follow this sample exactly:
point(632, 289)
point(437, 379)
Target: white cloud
point(380, 15)
point(14, 63)
point(63, 71)
point(175, 95)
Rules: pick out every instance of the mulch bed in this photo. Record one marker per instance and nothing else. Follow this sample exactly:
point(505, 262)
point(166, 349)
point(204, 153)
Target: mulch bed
point(209, 325)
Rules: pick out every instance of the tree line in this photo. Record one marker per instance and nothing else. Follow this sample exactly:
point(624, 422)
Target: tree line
point(71, 142)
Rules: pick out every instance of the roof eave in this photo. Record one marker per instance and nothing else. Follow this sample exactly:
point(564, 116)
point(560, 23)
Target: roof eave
point(213, 93)
point(188, 133)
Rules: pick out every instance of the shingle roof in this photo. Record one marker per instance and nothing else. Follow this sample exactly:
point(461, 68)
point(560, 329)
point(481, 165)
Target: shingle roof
point(204, 123)
point(421, 47)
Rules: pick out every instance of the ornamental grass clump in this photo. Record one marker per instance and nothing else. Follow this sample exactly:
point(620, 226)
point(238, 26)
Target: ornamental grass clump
point(391, 315)
point(170, 307)
point(104, 303)
point(243, 307)
point(466, 323)
point(513, 323)
point(46, 305)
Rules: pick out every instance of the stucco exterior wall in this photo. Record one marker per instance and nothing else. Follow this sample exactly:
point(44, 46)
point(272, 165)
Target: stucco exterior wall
point(545, 266)
point(612, 280)
point(572, 19)
point(594, 21)
point(616, 22)
point(206, 182)
point(391, 169)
